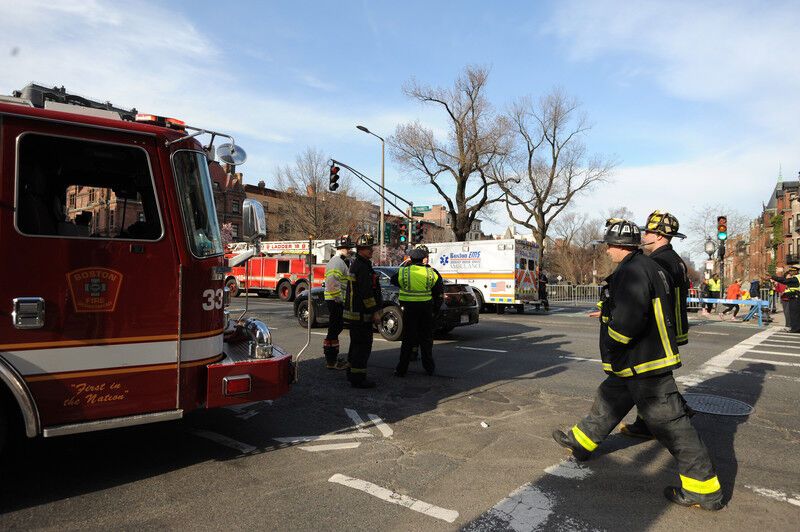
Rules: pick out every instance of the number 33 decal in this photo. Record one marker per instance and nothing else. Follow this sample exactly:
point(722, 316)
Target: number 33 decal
point(213, 299)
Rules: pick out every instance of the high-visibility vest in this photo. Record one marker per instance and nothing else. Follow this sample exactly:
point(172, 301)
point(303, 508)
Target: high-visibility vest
point(713, 285)
point(335, 273)
point(416, 282)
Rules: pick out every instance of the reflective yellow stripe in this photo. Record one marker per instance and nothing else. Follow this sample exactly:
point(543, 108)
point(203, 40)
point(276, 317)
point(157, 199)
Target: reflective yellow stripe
point(662, 328)
point(349, 315)
point(621, 338)
point(671, 360)
point(627, 372)
point(678, 323)
point(583, 439)
point(369, 302)
point(605, 319)
point(600, 304)
point(357, 370)
point(703, 487)
point(683, 338)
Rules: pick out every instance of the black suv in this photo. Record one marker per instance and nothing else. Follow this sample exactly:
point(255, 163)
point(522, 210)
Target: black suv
point(460, 307)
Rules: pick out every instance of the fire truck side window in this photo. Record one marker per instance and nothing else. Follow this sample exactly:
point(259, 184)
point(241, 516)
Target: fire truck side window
point(85, 189)
point(283, 266)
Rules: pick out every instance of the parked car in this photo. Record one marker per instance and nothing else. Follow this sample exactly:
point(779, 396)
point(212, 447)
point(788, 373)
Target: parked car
point(459, 308)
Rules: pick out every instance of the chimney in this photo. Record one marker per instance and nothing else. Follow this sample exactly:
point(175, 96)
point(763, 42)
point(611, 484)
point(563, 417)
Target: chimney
point(262, 185)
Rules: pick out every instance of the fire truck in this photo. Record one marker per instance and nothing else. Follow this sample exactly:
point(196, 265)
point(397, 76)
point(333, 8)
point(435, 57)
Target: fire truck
point(282, 268)
point(112, 307)
point(502, 272)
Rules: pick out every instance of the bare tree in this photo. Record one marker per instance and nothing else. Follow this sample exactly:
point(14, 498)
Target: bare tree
point(308, 208)
point(703, 224)
point(550, 165)
point(574, 252)
point(460, 167)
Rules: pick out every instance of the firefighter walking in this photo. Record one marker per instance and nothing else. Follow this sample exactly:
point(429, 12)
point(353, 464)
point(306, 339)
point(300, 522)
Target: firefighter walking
point(335, 277)
point(657, 235)
point(421, 292)
point(639, 351)
point(362, 305)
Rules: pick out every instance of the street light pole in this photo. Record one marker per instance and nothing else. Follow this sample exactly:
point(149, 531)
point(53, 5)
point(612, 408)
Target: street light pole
point(382, 226)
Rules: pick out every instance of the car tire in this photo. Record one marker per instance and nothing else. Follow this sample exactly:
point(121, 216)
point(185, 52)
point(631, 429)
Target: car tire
point(232, 286)
point(520, 309)
point(3, 424)
point(445, 330)
point(285, 292)
point(302, 314)
point(479, 297)
point(299, 288)
point(391, 324)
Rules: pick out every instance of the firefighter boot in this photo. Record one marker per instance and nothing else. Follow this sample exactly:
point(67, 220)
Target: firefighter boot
point(580, 454)
point(711, 502)
point(359, 379)
point(637, 429)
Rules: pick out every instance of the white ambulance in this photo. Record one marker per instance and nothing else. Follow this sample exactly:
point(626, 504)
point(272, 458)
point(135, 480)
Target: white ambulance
point(500, 272)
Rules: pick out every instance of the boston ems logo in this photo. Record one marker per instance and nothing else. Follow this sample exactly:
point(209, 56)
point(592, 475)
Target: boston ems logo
point(94, 289)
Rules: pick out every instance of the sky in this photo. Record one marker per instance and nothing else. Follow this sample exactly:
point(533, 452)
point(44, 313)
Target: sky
point(697, 101)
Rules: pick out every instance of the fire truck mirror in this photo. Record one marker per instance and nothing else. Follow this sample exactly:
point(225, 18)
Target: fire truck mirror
point(254, 221)
point(231, 154)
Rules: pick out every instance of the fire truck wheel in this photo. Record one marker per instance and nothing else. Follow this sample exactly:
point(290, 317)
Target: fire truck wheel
point(285, 292)
point(302, 315)
point(391, 325)
point(299, 287)
point(232, 286)
point(3, 425)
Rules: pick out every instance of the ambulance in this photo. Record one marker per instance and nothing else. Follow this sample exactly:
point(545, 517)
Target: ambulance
point(502, 273)
point(112, 306)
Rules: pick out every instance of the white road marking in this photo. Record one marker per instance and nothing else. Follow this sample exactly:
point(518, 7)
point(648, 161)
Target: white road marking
point(395, 498)
point(224, 440)
point(782, 344)
point(385, 429)
point(526, 508)
point(586, 359)
point(323, 437)
point(719, 363)
point(326, 334)
point(781, 353)
point(331, 447)
point(773, 362)
point(481, 349)
point(359, 422)
point(483, 364)
point(776, 495)
point(714, 333)
point(569, 469)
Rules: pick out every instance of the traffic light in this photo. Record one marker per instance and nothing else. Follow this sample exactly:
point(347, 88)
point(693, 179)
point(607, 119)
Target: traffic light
point(333, 185)
point(387, 234)
point(417, 232)
point(722, 228)
point(403, 237)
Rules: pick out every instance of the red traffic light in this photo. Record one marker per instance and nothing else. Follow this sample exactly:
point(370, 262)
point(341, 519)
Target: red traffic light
point(334, 177)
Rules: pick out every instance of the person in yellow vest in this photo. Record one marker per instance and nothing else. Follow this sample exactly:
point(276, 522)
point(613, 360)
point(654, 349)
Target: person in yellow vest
point(713, 291)
point(335, 278)
point(421, 292)
point(791, 312)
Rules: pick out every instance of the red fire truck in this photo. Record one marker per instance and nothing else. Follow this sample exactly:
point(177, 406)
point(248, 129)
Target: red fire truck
point(282, 268)
point(113, 307)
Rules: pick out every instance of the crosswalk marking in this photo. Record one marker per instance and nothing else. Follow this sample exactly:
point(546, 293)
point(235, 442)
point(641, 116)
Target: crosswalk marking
point(779, 353)
point(773, 362)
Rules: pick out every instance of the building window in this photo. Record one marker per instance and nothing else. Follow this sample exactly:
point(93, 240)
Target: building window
point(234, 231)
point(111, 220)
point(92, 195)
point(72, 201)
point(235, 207)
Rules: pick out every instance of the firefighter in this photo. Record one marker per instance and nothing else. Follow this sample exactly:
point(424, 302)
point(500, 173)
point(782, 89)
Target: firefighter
point(421, 292)
point(657, 235)
point(335, 275)
point(639, 351)
point(791, 312)
point(362, 305)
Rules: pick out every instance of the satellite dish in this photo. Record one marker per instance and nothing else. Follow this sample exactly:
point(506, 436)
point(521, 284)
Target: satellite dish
point(231, 154)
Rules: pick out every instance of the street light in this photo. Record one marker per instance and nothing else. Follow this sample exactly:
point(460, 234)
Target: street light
point(710, 248)
point(382, 225)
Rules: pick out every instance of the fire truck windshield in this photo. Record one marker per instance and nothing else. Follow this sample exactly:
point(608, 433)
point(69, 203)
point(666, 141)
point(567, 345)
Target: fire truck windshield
point(197, 202)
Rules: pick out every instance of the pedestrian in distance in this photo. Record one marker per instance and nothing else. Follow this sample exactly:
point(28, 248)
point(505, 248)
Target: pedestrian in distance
point(639, 352)
point(362, 304)
point(657, 235)
point(713, 291)
point(421, 292)
point(336, 272)
point(790, 299)
point(543, 290)
point(733, 292)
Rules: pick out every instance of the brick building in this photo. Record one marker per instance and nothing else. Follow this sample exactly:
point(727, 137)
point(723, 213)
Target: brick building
point(229, 193)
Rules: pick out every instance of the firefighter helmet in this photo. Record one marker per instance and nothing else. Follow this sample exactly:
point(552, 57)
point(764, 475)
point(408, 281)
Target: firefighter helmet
point(365, 241)
point(344, 242)
point(664, 224)
point(621, 232)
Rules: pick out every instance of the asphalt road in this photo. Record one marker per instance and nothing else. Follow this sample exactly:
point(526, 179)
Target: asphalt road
point(469, 447)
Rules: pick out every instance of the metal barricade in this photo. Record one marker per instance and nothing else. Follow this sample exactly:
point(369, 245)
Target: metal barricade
point(583, 295)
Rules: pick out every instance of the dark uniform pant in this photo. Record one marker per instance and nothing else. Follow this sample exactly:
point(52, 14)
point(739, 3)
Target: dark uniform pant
point(360, 349)
point(712, 295)
point(791, 312)
point(330, 346)
point(663, 409)
point(417, 330)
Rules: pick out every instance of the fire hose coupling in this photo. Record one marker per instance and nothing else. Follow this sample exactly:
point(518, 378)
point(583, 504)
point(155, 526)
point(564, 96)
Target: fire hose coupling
point(260, 338)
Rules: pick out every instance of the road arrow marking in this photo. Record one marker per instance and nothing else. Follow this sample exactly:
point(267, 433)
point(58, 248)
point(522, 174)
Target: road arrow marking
point(395, 498)
point(331, 447)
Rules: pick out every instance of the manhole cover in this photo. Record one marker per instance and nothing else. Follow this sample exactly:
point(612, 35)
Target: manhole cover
point(714, 404)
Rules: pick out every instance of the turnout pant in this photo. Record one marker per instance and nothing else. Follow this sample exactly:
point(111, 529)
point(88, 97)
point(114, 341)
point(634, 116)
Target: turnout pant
point(663, 409)
point(360, 349)
point(417, 330)
point(330, 345)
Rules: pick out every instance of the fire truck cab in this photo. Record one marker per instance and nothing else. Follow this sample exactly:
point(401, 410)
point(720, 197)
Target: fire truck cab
point(112, 305)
